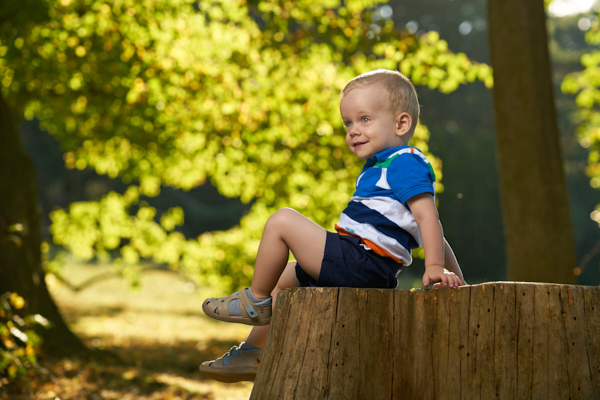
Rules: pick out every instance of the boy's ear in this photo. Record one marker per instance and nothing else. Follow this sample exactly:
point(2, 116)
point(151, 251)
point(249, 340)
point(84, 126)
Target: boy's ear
point(403, 124)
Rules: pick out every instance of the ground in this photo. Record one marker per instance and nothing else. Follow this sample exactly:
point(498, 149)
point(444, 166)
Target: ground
point(159, 331)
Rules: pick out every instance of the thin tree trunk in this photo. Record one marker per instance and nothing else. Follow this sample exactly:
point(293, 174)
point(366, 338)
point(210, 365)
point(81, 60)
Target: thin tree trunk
point(499, 340)
point(20, 258)
point(537, 220)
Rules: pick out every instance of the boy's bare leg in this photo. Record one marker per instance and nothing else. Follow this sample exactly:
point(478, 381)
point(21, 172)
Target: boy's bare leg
point(287, 230)
point(258, 334)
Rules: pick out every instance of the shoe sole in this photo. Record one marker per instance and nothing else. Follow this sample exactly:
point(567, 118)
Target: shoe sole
point(230, 375)
point(234, 319)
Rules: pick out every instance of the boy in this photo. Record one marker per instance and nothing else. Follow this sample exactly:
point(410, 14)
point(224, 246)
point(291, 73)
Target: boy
point(391, 212)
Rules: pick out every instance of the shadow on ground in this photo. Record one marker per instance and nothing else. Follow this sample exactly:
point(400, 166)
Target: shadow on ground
point(144, 371)
point(158, 333)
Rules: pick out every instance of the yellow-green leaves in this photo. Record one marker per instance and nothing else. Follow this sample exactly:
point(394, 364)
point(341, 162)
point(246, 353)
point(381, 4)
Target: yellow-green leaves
point(172, 93)
point(434, 66)
point(586, 84)
point(19, 342)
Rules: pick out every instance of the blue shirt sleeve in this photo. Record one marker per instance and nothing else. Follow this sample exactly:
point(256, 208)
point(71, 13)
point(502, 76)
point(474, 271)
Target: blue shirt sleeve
point(408, 175)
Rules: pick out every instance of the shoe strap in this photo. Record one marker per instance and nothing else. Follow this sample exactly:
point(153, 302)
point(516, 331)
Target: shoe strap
point(247, 304)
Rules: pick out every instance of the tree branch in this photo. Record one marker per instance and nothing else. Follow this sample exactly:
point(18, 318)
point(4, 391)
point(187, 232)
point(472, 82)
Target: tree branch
point(588, 257)
point(105, 276)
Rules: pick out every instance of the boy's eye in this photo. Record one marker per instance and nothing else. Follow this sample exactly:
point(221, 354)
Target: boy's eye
point(366, 119)
point(348, 124)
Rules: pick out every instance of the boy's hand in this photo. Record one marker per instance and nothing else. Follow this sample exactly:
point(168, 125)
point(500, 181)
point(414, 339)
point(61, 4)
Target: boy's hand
point(437, 273)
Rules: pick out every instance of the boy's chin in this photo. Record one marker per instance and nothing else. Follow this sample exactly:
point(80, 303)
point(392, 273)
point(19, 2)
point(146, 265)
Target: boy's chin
point(362, 156)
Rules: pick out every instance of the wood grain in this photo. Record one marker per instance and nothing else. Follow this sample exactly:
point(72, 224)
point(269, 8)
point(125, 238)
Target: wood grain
point(498, 340)
point(505, 343)
point(592, 322)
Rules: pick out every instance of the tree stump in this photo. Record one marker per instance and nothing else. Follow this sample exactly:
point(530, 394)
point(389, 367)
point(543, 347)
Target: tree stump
point(499, 340)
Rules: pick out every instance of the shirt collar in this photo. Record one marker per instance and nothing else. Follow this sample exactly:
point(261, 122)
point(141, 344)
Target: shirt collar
point(383, 155)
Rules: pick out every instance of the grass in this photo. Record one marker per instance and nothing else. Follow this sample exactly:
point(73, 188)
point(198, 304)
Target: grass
point(158, 330)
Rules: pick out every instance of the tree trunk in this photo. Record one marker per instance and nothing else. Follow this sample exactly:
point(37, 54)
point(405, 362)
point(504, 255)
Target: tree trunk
point(20, 260)
point(501, 340)
point(537, 221)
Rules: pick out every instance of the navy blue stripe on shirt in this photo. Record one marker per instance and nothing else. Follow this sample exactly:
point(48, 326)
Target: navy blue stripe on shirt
point(363, 214)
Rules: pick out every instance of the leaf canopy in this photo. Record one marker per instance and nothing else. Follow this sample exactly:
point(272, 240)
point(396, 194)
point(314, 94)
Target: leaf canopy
point(172, 93)
point(586, 84)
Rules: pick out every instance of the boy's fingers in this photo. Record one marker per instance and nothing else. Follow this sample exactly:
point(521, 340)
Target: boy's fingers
point(425, 281)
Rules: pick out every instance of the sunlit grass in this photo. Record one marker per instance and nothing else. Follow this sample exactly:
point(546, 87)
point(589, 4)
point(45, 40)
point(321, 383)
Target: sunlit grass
point(165, 308)
point(158, 329)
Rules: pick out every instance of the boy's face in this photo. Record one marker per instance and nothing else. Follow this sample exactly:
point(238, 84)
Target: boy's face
point(370, 127)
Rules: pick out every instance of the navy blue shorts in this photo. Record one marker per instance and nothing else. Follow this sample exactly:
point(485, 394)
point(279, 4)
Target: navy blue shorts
point(347, 264)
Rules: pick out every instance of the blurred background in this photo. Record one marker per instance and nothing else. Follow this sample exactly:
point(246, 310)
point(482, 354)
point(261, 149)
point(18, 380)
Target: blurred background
point(164, 133)
point(462, 136)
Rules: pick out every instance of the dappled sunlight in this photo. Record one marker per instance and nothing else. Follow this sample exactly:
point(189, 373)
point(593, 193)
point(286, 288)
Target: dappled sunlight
point(158, 331)
point(166, 309)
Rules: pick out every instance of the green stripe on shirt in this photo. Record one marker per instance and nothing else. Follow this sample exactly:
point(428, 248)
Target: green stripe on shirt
point(386, 163)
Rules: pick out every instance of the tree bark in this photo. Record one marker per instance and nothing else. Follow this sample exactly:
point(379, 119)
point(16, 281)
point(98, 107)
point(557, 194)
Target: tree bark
point(20, 238)
point(500, 340)
point(537, 221)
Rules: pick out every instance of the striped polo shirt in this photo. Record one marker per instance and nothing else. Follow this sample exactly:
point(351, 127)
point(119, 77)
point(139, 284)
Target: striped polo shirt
point(377, 212)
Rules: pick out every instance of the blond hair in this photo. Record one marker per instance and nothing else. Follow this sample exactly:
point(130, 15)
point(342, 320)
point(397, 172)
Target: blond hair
point(402, 96)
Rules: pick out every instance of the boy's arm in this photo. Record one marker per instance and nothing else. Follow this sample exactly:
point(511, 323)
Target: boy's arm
point(450, 262)
point(425, 213)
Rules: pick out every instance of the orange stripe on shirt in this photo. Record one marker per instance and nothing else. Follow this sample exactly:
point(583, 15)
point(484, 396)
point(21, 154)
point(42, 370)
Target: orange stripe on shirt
point(342, 231)
point(376, 249)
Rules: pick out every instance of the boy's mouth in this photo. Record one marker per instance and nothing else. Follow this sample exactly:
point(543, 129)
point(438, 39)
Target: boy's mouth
point(359, 144)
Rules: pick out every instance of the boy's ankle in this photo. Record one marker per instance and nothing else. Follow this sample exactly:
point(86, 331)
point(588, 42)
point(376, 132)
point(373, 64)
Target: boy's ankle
point(259, 295)
point(250, 347)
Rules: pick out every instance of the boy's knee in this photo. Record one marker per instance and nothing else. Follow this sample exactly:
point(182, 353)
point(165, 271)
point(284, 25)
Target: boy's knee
point(281, 217)
point(278, 287)
point(281, 285)
point(276, 290)
point(287, 280)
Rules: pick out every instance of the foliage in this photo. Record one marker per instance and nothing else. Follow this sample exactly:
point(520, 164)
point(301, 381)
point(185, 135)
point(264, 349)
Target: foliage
point(19, 343)
point(171, 93)
point(586, 84)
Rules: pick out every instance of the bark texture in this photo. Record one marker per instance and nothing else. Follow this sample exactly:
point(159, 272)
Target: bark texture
point(500, 340)
point(537, 220)
point(20, 239)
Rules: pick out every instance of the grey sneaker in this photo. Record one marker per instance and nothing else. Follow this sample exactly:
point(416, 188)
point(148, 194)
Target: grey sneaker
point(240, 363)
